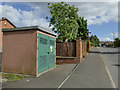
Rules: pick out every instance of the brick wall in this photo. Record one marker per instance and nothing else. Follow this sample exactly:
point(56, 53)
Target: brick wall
point(84, 48)
point(81, 51)
point(3, 26)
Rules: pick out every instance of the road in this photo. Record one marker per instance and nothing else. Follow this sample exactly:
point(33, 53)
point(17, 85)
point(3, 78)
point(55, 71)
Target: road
point(110, 57)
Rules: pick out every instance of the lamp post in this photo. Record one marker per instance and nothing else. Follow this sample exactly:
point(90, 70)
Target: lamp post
point(88, 41)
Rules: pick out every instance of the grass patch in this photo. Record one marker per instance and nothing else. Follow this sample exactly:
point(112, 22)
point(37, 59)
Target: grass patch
point(14, 77)
point(57, 65)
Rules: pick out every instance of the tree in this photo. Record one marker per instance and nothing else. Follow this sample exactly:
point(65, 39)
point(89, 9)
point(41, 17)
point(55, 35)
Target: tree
point(94, 41)
point(117, 42)
point(82, 30)
point(64, 19)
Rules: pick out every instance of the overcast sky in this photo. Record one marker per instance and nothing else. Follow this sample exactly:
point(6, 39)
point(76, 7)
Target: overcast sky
point(102, 16)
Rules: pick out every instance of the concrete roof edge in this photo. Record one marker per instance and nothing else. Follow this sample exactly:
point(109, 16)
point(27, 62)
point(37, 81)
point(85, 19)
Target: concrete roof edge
point(47, 30)
point(20, 28)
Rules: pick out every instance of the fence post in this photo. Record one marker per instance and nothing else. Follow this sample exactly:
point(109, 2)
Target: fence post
point(79, 49)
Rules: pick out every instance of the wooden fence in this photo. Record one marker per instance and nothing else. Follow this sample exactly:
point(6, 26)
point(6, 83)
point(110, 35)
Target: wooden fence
point(71, 52)
point(66, 49)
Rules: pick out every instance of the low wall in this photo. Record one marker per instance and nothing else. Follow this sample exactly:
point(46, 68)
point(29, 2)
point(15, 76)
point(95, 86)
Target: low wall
point(63, 60)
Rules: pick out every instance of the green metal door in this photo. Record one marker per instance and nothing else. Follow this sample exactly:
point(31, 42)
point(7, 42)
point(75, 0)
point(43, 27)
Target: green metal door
point(52, 54)
point(46, 52)
point(42, 53)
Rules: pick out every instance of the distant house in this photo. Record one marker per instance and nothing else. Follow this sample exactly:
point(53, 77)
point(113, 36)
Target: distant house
point(5, 23)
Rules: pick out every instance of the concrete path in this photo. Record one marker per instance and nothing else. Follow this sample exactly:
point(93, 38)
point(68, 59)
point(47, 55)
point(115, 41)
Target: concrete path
point(91, 73)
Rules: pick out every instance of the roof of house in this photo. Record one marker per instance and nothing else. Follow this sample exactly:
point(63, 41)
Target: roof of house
point(3, 18)
point(31, 28)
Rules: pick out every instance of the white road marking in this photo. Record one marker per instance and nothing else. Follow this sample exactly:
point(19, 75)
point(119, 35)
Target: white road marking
point(67, 77)
point(109, 75)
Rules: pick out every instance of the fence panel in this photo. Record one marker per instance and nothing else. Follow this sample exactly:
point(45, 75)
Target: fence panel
point(66, 49)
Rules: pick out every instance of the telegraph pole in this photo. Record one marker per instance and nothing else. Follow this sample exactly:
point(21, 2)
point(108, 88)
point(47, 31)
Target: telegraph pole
point(113, 35)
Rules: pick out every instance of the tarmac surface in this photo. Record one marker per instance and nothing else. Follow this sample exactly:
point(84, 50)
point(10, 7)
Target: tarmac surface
point(90, 73)
point(110, 57)
point(51, 79)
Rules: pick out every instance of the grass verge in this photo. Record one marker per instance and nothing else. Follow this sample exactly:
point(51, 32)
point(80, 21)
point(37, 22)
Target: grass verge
point(13, 77)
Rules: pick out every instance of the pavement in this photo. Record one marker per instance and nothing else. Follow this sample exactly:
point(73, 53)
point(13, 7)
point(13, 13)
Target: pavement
point(90, 73)
point(51, 79)
point(110, 57)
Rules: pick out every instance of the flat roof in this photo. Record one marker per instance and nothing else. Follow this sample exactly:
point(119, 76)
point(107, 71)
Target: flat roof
point(30, 28)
